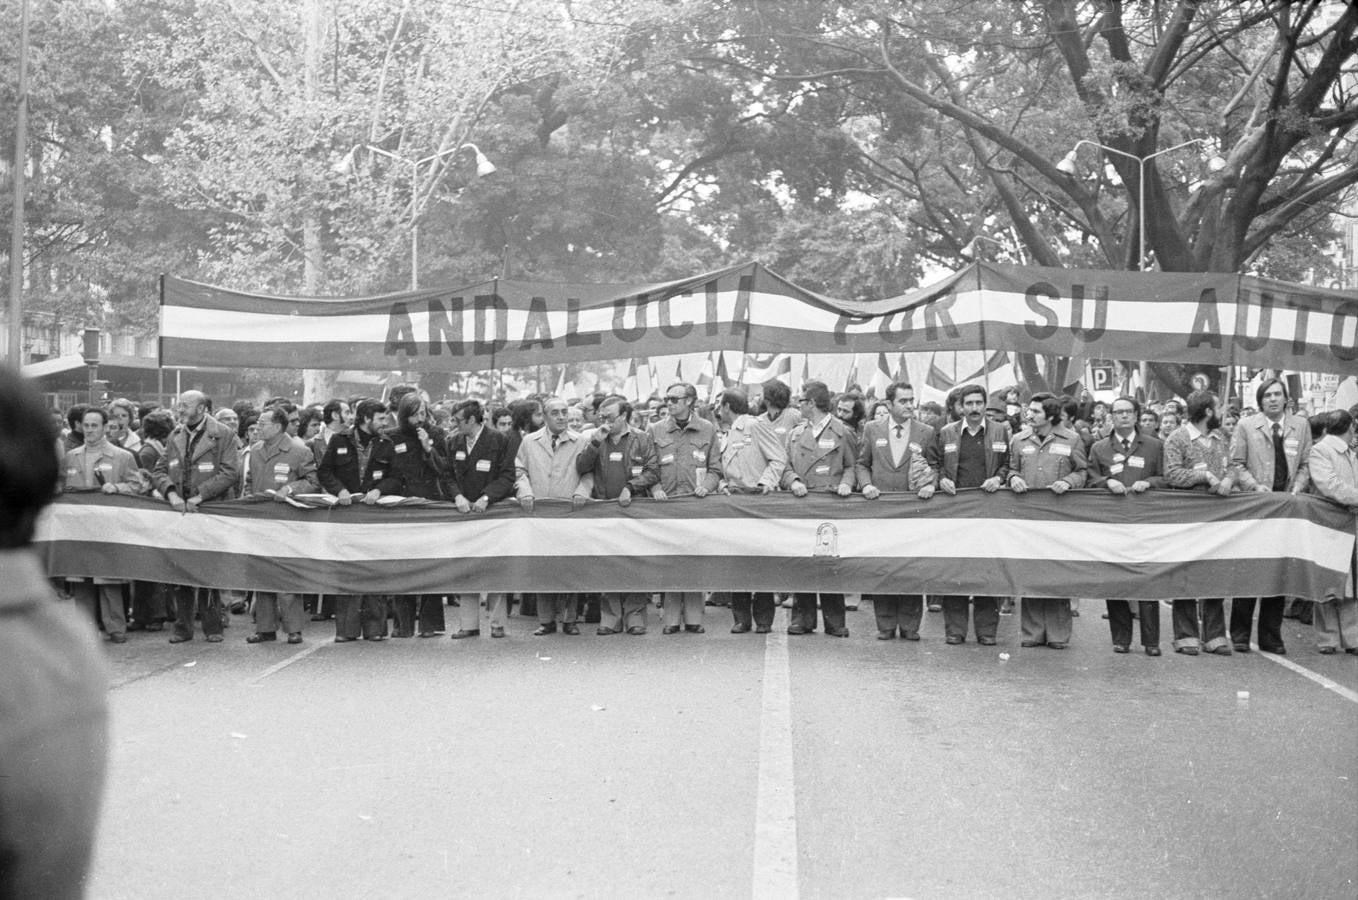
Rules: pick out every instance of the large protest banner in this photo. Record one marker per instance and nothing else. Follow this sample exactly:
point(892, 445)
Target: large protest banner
point(1216, 319)
point(1157, 546)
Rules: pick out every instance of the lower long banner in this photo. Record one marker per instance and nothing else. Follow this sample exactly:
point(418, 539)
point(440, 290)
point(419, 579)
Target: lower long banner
point(1159, 545)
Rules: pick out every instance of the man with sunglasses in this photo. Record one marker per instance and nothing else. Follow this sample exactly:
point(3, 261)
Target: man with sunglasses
point(690, 465)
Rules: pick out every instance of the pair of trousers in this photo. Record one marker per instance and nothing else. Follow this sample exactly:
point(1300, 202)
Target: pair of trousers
point(1045, 620)
point(102, 603)
point(549, 605)
point(683, 608)
point(831, 611)
point(985, 615)
point(622, 611)
point(469, 610)
point(1336, 623)
point(751, 609)
point(149, 606)
point(272, 609)
point(427, 608)
point(188, 600)
point(1185, 620)
point(892, 611)
point(1270, 621)
point(1120, 622)
point(360, 615)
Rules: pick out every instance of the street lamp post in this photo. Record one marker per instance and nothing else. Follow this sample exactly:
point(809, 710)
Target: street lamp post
point(483, 167)
point(1067, 165)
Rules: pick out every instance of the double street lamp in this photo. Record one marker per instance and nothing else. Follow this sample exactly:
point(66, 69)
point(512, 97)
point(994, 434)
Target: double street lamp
point(484, 167)
point(1067, 166)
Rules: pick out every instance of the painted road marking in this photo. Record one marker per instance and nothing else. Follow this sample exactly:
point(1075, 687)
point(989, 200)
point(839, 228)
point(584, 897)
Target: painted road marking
point(278, 667)
point(1304, 672)
point(775, 820)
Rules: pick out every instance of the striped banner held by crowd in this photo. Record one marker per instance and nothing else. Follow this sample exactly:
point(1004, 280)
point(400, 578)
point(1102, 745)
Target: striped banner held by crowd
point(1160, 545)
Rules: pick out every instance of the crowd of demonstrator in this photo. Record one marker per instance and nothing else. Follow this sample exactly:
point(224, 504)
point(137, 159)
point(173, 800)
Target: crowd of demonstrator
point(608, 448)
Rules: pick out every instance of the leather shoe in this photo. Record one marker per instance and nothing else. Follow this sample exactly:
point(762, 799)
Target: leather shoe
point(497, 631)
point(1030, 643)
point(1241, 648)
point(953, 639)
point(739, 628)
point(985, 641)
point(1187, 651)
point(1352, 651)
point(464, 633)
point(260, 637)
point(214, 638)
point(837, 632)
point(605, 631)
point(1152, 651)
point(570, 628)
point(886, 635)
point(118, 638)
point(765, 629)
point(340, 639)
point(670, 629)
point(1223, 650)
point(796, 629)
point(637, 629)
point(295, 637)
point(176, 639)
point(545, 629)
point(1279, 650)
point(1057, 645)
point(695, 629)
point(1328, 651)
point(1121, 648)
point(909, 635)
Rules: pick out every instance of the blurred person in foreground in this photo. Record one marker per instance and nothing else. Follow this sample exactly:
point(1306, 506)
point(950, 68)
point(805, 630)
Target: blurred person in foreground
point(53, 706)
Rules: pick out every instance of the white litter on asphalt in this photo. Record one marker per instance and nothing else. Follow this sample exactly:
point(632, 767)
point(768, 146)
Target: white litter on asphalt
point(190, 665)
point(597, 708)
point(238, 736)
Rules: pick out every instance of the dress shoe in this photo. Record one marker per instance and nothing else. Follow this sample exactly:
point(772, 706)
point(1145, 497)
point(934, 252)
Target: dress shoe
point(637, 630)
point(605, 631)
point(340, 639)
point(496, 631)
point(118, 638)
point(376, 637)
point(985, 641)
point(1057, 645)
point(954, 639)
point(797, 629)
point(136, 626)
point(739, 628)
point(851, 607)
point(837, 632)
point(670, 629)
point(1328, 651)
point(176, 639)
point(1352, 651)
point(214, 638)
point(570, 628)
point(154, 626)
point(1121, 648)
point(1279, 650)
point(1030, 643)
point(1187, 651)
point(765, 629)
point(1241, 648)
point(550, 628)
point(935, 607)
point(260, 637)
point(295, 637)
point(909, 635)
point(465, 633)
point(1152, 651)
point(695, 629)
point(428, 634)
point(1075, 614)
point(320, 618)
point(1223, 650)
point(886, 635)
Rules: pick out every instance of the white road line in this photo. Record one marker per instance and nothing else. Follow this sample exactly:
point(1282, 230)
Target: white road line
point(278, 667)
point(1304, 672)
point(775, 819)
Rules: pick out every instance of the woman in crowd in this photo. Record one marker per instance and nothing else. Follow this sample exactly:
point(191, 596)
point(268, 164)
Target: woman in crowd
point(1169, 423)
point(150, 601)
point(123, 424)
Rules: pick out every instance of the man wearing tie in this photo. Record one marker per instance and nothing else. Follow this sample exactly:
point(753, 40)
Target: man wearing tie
point(480, 472)
point(1268, 453)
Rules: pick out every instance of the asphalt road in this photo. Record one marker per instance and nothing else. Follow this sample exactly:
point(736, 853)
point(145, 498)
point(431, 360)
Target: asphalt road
point(724, 765)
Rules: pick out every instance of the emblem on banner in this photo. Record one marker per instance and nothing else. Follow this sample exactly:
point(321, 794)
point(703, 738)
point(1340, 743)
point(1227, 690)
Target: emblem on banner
point(827, 540)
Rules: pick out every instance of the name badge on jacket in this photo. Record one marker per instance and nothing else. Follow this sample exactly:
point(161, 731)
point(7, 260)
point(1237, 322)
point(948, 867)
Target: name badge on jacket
point(1061, 449)
point(998, 447)
point(483, 465)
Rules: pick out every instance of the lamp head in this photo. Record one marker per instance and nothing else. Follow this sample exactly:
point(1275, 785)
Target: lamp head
point(1067, 164)
point(1216, 164)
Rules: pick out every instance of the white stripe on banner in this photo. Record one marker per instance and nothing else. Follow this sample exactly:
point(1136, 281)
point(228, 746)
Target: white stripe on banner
point(499, 538)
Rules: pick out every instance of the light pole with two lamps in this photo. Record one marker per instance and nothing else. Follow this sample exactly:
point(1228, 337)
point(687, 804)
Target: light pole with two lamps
point(484, 167)
point(1067, 166)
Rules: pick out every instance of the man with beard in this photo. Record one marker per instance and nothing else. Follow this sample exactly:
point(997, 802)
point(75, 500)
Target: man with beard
point(1269, 452)
point(1197, 457)
point(623, 462)
point(1048, 455)
point(345, 471)
point(201, 463)
point(1128, 461)
point(972, 453)
point(480, 473)
point(411, 459)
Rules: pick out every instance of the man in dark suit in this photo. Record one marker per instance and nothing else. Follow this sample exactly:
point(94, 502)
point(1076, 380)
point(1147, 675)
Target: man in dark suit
point(894, 457)
point(479, 467)
point(1129, 461)
point(972, 452)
